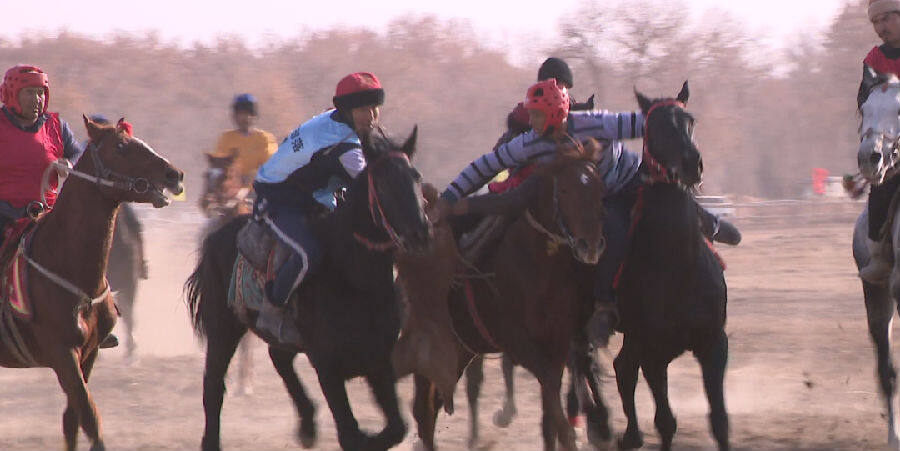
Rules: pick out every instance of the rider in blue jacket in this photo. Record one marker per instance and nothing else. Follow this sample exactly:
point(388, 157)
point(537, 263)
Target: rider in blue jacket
point(311, 164)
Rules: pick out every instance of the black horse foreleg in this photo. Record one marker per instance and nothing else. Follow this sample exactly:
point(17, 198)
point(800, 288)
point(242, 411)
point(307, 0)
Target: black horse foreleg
point(474, 379)
point(220, 348)
point(626, 365)
point(656, 375)
point(283, 360)
point(713, 360)
point(384, 389)
point(504, 416)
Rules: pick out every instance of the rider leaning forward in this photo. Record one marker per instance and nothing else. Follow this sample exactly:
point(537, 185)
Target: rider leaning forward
point(884, 59)
point(553, 124)
point(316, 160)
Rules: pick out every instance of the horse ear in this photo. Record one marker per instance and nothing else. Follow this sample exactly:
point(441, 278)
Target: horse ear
point(409, 147)
point(93, 130)
point(684, 93)
point(643, 101)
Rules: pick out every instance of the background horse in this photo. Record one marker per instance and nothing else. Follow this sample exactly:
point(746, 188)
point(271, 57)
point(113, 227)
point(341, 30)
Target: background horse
point(671, 290)
point(227, 195)
point(877, 157)
point(529, 307)
point(72, 307)
point(348, 312)
point(126, 267)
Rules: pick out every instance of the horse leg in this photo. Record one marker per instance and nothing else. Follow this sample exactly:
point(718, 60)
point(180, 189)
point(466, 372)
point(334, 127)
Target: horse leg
point(504, 416)
point(220, 347)
point(880, 313)
point(474, 379)
point(384, 389)
point(350, 437)
point(283, 361)
point(576, 388)
point(656, 375)
point(626, 365)
point(426, 405)
point(713, 360)
point(80, 407)
point(128, 320)
point(245, 366)
point(554, 424)
point(585, 366)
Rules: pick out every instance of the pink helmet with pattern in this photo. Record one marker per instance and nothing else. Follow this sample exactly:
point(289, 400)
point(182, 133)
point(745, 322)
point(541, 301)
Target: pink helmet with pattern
point(551, 99)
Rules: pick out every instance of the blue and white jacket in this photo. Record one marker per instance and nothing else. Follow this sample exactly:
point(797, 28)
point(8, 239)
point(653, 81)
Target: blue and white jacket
point(617, 164)
point(317, 158)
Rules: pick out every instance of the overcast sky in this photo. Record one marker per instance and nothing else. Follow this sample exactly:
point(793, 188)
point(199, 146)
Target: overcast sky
point(256, 20)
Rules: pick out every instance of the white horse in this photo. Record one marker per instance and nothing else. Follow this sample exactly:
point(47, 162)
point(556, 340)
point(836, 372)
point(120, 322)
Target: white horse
point(877, 158)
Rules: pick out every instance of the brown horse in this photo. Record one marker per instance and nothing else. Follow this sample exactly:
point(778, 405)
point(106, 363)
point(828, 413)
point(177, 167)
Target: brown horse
point(530, 307)
point(72, 307)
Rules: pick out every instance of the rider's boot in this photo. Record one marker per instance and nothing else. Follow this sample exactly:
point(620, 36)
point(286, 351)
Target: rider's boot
point(727, 233)
point(879, 267)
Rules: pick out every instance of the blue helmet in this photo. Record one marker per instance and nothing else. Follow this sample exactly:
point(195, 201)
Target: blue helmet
point(244, 102)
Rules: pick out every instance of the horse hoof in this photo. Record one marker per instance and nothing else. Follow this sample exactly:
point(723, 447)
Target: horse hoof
point(98, 446)
point(631, 441)
point(598, 434)
point(503, 417)
point(307, 434)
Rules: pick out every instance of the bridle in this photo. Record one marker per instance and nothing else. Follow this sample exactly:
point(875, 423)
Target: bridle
point(103, 177)
point(378, 216)
point(658, 172)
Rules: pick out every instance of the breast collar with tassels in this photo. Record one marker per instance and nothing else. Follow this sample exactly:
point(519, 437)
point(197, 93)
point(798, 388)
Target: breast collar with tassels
point(658, 172)
point(378, 216)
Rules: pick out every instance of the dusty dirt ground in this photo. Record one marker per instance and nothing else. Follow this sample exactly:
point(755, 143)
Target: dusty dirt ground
point(801, 371)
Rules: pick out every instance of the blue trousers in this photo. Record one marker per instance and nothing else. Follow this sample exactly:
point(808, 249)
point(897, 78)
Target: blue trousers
point(291, 224)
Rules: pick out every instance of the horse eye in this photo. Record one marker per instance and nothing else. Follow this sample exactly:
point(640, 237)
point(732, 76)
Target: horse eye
point(417, 176)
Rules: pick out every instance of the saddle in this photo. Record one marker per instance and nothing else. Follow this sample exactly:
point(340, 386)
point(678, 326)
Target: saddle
point(13, 268)
point(257, 243)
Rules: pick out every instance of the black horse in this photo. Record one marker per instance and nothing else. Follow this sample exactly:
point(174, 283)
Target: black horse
point(672, 293)
point(348, 312)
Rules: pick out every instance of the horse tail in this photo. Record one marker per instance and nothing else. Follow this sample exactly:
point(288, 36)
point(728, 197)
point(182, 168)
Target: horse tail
point(207, 287)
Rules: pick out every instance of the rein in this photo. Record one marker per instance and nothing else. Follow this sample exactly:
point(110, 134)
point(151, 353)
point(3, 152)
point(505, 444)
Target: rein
point(658, 172)
point(104, 177)
point(85, 299)
point(378, 216)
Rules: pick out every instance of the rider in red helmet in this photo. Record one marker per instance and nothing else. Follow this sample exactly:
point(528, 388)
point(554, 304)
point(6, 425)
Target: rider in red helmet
point(30, 139)
point(316, 160)
point(553, 123)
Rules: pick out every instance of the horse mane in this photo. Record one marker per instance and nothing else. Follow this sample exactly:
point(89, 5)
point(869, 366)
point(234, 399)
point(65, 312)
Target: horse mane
point(569, 152)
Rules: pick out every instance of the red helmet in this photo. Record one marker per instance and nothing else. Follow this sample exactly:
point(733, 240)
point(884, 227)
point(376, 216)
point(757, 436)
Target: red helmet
point(551, 99)
point(358, 89)
point(19, 77)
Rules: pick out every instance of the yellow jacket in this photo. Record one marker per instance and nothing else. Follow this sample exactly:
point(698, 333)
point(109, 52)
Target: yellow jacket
point(250, 150)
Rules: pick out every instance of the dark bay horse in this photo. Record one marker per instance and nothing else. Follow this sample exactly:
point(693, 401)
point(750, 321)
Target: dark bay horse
point(671, 289)
point(126, 268)
point(348, 311)
point(529, 307)
point(227, 195)
point(73, 308)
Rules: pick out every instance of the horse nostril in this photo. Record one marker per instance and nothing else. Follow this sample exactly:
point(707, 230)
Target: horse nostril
point(875, 158)
point(174, 176)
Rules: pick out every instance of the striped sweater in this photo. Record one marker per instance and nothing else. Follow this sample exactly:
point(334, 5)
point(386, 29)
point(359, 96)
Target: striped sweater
point(617, 164)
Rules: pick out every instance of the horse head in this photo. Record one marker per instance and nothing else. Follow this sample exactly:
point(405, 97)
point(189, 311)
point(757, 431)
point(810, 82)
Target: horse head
point(395, 200)
point(570, 197)
point(126, 168)
point(669, 149)
point(223, 188)
point(880, 126)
